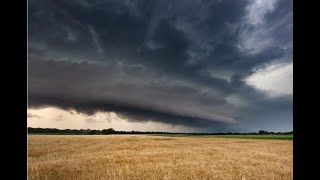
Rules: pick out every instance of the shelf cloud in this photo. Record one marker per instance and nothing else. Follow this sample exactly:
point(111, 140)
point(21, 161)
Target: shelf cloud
point(197, 64)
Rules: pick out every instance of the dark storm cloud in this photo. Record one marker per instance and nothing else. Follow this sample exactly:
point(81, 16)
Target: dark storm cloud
point(61, 84)
point(178, 62)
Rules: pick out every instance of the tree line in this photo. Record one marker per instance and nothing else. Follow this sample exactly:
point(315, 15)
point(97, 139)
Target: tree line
point(112, 131)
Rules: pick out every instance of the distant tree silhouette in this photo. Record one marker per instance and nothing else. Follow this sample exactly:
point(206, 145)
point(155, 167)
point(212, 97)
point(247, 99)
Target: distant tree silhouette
point(263, 132)
point(108, 131)
point(112, 131)
point(94, 132)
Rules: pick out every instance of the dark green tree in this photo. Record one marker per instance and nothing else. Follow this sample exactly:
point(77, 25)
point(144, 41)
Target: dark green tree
point(108, 131)
point(263, 132)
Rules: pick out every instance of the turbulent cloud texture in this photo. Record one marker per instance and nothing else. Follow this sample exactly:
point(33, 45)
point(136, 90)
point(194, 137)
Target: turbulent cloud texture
point(196, 64)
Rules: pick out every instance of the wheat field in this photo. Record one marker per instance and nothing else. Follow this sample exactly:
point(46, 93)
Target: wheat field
point(155, 157)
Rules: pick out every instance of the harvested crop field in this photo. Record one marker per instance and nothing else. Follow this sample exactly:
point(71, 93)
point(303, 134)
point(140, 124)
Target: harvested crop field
point(157, 157)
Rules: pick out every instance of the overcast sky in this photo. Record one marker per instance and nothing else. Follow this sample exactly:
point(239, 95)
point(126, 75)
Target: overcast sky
point(161, 65)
